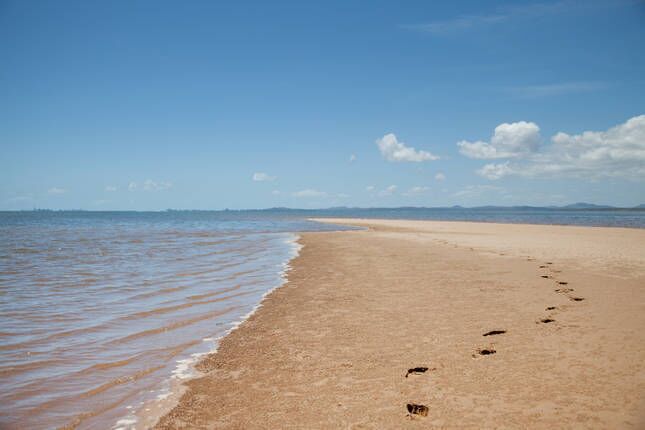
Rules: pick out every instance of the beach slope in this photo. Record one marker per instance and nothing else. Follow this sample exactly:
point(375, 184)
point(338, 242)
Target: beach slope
point(517, 326)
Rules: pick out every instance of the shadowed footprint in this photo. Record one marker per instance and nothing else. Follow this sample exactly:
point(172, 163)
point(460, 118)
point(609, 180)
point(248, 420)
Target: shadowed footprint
point(494, 332)
point(487, 351)
point(563, 283)
point(547, 320)
point(543, 267)
point(577, 299)
point(545, 276)
point(416, 370)
point(564, 290)
point(415, 409)
point(550, 308)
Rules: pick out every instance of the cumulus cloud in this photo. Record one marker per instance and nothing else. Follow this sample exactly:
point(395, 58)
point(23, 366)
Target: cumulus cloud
point(514, 140)
point(616, 152)
point(393, 150)
point(440, 177)
point(263, 177)
point(56, 190)
point(110, 188)
point(308, 193)
point(132, 186)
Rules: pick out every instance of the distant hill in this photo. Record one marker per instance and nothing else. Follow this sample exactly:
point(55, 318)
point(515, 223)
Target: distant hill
point(583, 205)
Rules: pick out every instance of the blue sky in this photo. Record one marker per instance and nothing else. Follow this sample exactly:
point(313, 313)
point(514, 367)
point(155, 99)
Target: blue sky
point(210, 105)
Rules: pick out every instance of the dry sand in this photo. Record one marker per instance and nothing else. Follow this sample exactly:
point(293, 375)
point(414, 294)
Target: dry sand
point(331, 348)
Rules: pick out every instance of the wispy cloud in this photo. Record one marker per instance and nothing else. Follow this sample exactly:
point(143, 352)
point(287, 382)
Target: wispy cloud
point(415, 191)
point(150, 185)
point(388, 191)
point(110, 188)
point(309, 193)
point(505, 15)
point(440, 176)
point(352, 158)
point(56, 190)
point(461, 23)
point(477, 190)
point(263, 177)
point(556, 89)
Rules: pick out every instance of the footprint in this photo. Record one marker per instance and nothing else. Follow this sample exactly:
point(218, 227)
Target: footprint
point(417, 370)
point(577, 299)
point(550, 308)
point(547, 320)
point(545, 276)
point(563, 283)
point(415, 409)
point(564, 290)
point(543, 266)
point(494, 332)
point(548, 262)
point(486, 351)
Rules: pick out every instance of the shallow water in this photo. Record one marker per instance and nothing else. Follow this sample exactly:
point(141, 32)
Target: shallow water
point(99, 312)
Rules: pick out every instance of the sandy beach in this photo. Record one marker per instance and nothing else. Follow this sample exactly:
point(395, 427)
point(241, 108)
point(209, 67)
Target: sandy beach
point(510, 326)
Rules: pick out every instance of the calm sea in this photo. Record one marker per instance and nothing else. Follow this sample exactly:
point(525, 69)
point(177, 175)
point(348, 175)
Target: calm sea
point(101, 311)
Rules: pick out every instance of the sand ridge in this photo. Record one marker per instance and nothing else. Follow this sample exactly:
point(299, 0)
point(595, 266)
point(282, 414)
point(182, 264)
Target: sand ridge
point(507, 339)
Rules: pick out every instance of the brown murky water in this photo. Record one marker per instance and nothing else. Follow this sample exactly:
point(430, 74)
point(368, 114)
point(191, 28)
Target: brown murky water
point(99, 316)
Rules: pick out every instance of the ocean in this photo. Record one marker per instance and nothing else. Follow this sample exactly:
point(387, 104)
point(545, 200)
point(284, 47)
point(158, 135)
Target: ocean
point(104, 313)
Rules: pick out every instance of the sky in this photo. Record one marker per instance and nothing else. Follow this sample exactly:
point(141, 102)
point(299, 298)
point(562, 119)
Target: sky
point(149, 105)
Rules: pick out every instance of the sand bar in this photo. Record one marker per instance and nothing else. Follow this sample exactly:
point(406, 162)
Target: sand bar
point(331, 349)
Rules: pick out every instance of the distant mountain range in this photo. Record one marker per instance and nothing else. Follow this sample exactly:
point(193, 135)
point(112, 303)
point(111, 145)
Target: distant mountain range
point(573, 206)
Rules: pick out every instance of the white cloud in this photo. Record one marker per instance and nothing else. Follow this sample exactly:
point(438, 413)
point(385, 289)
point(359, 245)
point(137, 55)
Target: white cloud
point(388, 191)
point(370, 188)
point(514, 140)
point(276, 192)
point(440, 177)
point(352, 158)
point(476, 190)
point(458, 24)
point(263, 177)
point(110, 188)
point(503, 15)
point(414, 191)
point(494, 171)
point(342, 196)
point(150, 185)
point(393, 150)
point(309, 193)
point(616, 152)
point(56, 190)
point(557, 89)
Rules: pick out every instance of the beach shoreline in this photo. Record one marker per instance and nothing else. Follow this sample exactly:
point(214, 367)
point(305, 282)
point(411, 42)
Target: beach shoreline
point(331, 347)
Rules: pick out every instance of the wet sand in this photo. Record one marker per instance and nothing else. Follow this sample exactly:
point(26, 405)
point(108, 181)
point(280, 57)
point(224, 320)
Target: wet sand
point(332, 348)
